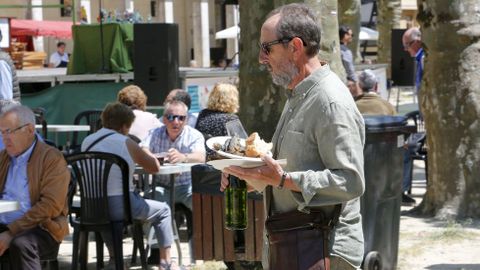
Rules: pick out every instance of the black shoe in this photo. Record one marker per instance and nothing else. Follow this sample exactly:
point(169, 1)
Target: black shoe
point(154, 257)
point(407, 199)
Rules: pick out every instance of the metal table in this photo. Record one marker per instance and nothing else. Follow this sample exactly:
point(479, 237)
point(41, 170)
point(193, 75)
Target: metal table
point(173, 170)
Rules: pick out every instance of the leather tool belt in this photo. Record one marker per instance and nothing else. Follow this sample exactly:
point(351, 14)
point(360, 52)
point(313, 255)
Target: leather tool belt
point(299, 240)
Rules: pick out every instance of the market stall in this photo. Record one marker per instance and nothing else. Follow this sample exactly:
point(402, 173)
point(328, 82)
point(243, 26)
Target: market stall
point(116, 39)
point(22, 33)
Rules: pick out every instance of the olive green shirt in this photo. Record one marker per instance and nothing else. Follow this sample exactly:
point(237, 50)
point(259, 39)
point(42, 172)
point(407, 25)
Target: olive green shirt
point(321, 133)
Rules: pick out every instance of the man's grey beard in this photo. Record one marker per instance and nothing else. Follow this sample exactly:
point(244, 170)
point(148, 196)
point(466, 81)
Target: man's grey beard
point(285, 77)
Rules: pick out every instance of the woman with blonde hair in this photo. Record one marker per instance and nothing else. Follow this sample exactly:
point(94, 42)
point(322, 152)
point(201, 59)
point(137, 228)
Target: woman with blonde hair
point(134, 97)
point(222, 107)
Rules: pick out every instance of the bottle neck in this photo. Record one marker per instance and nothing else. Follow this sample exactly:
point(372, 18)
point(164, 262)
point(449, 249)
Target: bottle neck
point(235, 182)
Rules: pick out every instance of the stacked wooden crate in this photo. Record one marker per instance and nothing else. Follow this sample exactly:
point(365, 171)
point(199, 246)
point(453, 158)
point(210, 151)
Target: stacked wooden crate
point(24, 59)
point(33, 60)
point(16, 52)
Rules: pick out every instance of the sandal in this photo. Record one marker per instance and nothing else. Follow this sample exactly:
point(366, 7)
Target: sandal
point(165, 266)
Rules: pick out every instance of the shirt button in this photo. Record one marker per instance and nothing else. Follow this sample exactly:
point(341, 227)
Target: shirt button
point(290, 110)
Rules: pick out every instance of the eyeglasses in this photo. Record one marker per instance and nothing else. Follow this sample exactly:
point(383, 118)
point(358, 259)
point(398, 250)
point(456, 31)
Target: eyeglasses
point(408, 45)
point(172, 117)
point(11, 131)
point(265, 46)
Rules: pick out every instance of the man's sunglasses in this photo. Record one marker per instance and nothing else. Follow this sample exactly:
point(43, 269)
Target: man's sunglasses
point(172, 117)
point(265, 46)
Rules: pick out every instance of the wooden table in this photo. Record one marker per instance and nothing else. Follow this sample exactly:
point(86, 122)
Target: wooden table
point(173, 170)
point(8, 206)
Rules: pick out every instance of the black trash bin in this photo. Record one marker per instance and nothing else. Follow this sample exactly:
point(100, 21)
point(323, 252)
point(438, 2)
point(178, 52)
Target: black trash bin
point(380, 204)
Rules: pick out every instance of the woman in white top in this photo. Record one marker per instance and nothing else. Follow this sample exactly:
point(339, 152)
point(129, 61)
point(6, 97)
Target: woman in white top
point(136, 99)
point(117, 119)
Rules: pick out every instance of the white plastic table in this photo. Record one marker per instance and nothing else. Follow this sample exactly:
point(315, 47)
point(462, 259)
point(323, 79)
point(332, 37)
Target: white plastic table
point(64, 128)
point(8, 206)
point(173, 170)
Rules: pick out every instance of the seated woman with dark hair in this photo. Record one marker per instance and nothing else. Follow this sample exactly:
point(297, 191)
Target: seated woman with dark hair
point(221, 108)
point(117, 119)
point(134, 97)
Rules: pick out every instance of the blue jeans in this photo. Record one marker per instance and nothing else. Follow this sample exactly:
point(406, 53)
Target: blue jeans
point(155, 212)
point(183, 194)
point(407, 167)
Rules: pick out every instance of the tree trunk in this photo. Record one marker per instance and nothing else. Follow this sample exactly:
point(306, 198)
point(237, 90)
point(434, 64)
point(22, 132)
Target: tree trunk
point(388, 18)
point(330, 43)
point(261, 102)
point(349, 14)
point(450, 102)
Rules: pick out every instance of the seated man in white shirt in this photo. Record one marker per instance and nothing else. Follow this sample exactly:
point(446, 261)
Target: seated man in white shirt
point(59, 58)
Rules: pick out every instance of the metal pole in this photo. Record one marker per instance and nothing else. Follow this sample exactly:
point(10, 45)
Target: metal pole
point(103, 70)
point(74, 12)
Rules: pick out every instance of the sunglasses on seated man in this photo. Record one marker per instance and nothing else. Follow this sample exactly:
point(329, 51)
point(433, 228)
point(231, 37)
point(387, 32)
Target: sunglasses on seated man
point(171, 117)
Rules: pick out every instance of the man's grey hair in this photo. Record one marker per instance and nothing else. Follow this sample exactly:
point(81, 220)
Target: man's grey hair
point(174, 102)
point(367, 80)
point(299, 20)
point(24, 114)
point(6, 104)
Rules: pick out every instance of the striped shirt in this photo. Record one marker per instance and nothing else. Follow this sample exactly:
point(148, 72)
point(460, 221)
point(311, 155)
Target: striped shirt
point(188, 141)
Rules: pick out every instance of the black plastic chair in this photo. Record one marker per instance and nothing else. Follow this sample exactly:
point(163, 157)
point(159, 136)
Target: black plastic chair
point(90, 171)
point(419, 142)
point(417, 120)
point(89, 117)
point(39, 113)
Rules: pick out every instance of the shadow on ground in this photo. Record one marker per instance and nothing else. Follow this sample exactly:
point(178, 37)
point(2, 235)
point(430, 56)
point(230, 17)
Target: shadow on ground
point(454, 267)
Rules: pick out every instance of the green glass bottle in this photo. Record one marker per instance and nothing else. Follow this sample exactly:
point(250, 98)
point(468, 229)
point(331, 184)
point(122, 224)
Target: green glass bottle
point(236, 204)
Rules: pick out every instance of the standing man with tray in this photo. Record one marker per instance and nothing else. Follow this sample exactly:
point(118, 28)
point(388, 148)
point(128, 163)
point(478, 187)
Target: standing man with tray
point(313, 207)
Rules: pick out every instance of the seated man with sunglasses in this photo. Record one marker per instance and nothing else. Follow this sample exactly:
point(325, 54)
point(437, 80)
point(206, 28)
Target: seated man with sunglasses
point(179, 143)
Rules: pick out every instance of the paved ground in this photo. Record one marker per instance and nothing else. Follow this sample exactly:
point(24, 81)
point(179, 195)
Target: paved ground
point(405, 99)
point(65, 254)
point(409, 228)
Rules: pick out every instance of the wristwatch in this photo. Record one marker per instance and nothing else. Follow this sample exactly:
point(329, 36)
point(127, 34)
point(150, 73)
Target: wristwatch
point(282, 180)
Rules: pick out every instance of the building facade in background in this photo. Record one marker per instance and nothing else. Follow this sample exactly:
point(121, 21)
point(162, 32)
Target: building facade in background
point(198, 21)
